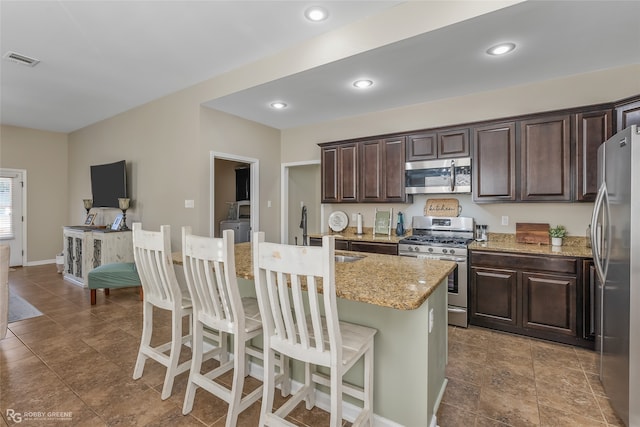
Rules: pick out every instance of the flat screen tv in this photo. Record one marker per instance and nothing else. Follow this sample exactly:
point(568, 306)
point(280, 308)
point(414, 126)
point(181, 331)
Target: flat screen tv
point(108, 184)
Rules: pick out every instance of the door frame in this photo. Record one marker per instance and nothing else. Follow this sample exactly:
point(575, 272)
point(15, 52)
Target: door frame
point(284, 197)
point(255, 188)
point(23, 174)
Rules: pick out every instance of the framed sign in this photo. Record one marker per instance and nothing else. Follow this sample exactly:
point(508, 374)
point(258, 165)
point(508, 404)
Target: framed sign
point(90, 218)
point(117, 222)
point(382, 222)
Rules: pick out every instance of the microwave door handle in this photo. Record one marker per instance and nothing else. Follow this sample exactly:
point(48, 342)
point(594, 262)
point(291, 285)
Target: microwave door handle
point(452, 174)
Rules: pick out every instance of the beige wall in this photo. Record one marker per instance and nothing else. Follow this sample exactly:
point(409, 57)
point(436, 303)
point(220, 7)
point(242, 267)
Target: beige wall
point(300, 144)
point(304, 187)
point(44, 156)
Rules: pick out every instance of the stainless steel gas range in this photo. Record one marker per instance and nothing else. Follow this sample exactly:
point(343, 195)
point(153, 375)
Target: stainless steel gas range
point(444, 238)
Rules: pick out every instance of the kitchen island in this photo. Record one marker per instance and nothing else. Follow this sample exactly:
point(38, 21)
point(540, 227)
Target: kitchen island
point(405, 299)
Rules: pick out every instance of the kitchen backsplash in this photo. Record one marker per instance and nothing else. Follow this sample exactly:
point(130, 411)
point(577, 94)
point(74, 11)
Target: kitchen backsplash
point(574, 216)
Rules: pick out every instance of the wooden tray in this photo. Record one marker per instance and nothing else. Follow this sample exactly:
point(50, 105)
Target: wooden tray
point(442, 207)
point(529, 232)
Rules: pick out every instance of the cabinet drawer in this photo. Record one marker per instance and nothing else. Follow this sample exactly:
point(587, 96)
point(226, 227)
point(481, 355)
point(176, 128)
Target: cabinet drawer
point(342, 245)
point(378, 248)
point(525, 262)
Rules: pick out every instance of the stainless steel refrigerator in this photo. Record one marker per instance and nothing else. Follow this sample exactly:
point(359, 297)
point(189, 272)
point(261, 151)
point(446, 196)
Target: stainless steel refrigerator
point(615, 233)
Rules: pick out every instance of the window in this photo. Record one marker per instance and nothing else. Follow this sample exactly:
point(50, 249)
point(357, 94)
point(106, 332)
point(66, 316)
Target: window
point(6, 209)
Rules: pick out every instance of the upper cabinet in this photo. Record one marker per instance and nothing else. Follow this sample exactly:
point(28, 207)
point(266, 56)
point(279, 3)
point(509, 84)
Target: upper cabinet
point(365, 171)
point(494, 162)
point(591, 130)
point(445, 144)
point(545, 159)
point(340, 173)
point(628, 113)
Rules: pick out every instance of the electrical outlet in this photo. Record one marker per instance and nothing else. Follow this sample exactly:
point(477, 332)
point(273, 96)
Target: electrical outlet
point(505, 220)
point(189, 204)
point(268, 203)
point(354, 217)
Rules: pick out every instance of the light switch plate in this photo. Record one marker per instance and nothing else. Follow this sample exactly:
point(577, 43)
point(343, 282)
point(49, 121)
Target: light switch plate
point(189, 204)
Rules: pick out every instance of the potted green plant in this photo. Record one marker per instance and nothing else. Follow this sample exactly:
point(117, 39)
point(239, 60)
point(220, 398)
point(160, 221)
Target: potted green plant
point(557, 233)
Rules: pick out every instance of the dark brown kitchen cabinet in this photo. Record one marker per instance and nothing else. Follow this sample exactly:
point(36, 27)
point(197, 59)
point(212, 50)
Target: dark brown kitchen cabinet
point(339, 173)
point(591, 130)
point(494, 162)
point(382, 170)
point(533, 295)
point(628, 113)
point(545, 159)
point(494, 296)
point(360, 246)
point(448, 143)
point(590, 286)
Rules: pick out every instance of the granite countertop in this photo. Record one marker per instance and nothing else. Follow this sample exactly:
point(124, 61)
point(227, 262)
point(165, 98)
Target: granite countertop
point(574, 246)
point(403, 283)
point(349, 233)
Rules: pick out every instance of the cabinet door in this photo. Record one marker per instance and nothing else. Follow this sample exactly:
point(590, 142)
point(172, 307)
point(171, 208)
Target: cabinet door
point(549, 303)
point(545, 159)
point(592, 129)
point(393, 169)
point(627, 115)
point(494, 162)
point(329, 174)
point(422, 147)
point(494, 297)
point(453, 143)
point(348, 173)
point(371, 171)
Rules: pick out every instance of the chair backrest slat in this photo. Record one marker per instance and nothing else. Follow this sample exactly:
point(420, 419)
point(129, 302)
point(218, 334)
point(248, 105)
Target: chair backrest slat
point(152, 255)
point(210, 274)
point(289, 280)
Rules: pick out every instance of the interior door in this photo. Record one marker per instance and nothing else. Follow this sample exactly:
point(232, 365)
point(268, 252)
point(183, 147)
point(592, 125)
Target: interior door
point(11, 215)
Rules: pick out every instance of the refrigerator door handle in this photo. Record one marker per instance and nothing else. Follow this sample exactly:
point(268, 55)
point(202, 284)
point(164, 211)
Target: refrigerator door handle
point(595, 236)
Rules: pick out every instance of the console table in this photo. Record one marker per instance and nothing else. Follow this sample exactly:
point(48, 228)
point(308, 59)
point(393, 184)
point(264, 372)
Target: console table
point(86, 248)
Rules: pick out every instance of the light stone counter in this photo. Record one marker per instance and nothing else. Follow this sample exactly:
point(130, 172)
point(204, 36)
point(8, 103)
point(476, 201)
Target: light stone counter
point(349, 233)
point(403, 283)
point(502, 242)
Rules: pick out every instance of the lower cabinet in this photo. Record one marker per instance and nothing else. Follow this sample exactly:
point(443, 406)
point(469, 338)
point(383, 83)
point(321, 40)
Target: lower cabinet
point(360, 246)
point(533, 295)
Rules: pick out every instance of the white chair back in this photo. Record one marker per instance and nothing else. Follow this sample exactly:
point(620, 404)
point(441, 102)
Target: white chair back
point(152, 254)
point(210, 273)
point(4, 289)
point(302, 325)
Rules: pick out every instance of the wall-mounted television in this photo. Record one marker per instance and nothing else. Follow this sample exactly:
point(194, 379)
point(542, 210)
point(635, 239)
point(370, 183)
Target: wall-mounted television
point(108, 184)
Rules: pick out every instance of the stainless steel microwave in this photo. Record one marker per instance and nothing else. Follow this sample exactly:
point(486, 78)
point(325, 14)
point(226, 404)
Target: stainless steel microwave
point(442, 176)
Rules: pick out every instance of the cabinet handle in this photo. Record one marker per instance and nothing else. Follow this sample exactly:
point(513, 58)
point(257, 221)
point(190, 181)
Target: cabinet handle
point(452, 173)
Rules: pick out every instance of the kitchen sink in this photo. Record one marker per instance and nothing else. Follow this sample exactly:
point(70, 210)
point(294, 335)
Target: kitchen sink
point(348, 258)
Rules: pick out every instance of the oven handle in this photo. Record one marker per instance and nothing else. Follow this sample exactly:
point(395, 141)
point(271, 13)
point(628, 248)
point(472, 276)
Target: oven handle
point(456, 310)
point(454, 259)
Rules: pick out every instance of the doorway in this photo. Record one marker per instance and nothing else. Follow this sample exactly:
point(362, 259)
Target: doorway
point(225, 169)
point(13, 213)
point(300, 187)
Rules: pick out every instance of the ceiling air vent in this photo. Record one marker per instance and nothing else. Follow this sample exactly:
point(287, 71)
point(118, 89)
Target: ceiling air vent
point(21, 59)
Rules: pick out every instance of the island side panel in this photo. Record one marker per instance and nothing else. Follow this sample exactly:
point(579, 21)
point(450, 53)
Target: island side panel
point(437, 349)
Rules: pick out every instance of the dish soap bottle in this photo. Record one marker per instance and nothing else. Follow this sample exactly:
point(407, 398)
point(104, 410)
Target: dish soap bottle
point(588, 236)
point(400, 226)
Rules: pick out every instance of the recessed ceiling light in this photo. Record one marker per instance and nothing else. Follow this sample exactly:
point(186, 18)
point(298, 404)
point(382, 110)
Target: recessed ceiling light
point(316, 14)
point(501, 49)
point(363, 84)
point(278, 105)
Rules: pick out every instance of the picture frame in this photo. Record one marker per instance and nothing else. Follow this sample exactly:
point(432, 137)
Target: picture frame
point(90, 219)
point(382, 222)
point(117, 223)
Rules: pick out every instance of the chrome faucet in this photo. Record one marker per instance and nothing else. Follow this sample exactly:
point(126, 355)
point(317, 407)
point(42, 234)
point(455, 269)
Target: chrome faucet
point(303, 225)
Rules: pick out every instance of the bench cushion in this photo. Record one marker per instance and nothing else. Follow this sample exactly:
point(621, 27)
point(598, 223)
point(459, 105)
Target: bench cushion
point(116, 275)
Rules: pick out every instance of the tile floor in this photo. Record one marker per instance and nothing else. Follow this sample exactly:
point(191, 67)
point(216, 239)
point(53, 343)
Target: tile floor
point(79, 358)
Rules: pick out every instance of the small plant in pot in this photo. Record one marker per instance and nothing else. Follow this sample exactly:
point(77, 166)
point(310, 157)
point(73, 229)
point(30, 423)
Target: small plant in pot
point(557, 233)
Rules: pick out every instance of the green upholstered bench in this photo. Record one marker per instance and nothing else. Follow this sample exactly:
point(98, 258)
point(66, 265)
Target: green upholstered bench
point(110, 276)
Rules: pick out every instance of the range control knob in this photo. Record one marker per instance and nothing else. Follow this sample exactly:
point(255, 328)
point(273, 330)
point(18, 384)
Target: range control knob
point(452, 251)
point(430, 249)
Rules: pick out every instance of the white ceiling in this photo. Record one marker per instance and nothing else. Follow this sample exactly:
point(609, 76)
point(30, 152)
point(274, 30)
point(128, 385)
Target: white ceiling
point(102, 58)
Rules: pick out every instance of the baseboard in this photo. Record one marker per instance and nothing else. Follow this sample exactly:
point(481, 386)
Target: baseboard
point(323, 400)
point(42, 262)
point(436, 405)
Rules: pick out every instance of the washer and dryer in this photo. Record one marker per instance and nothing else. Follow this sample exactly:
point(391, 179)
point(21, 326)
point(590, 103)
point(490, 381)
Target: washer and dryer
point(241, 224)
